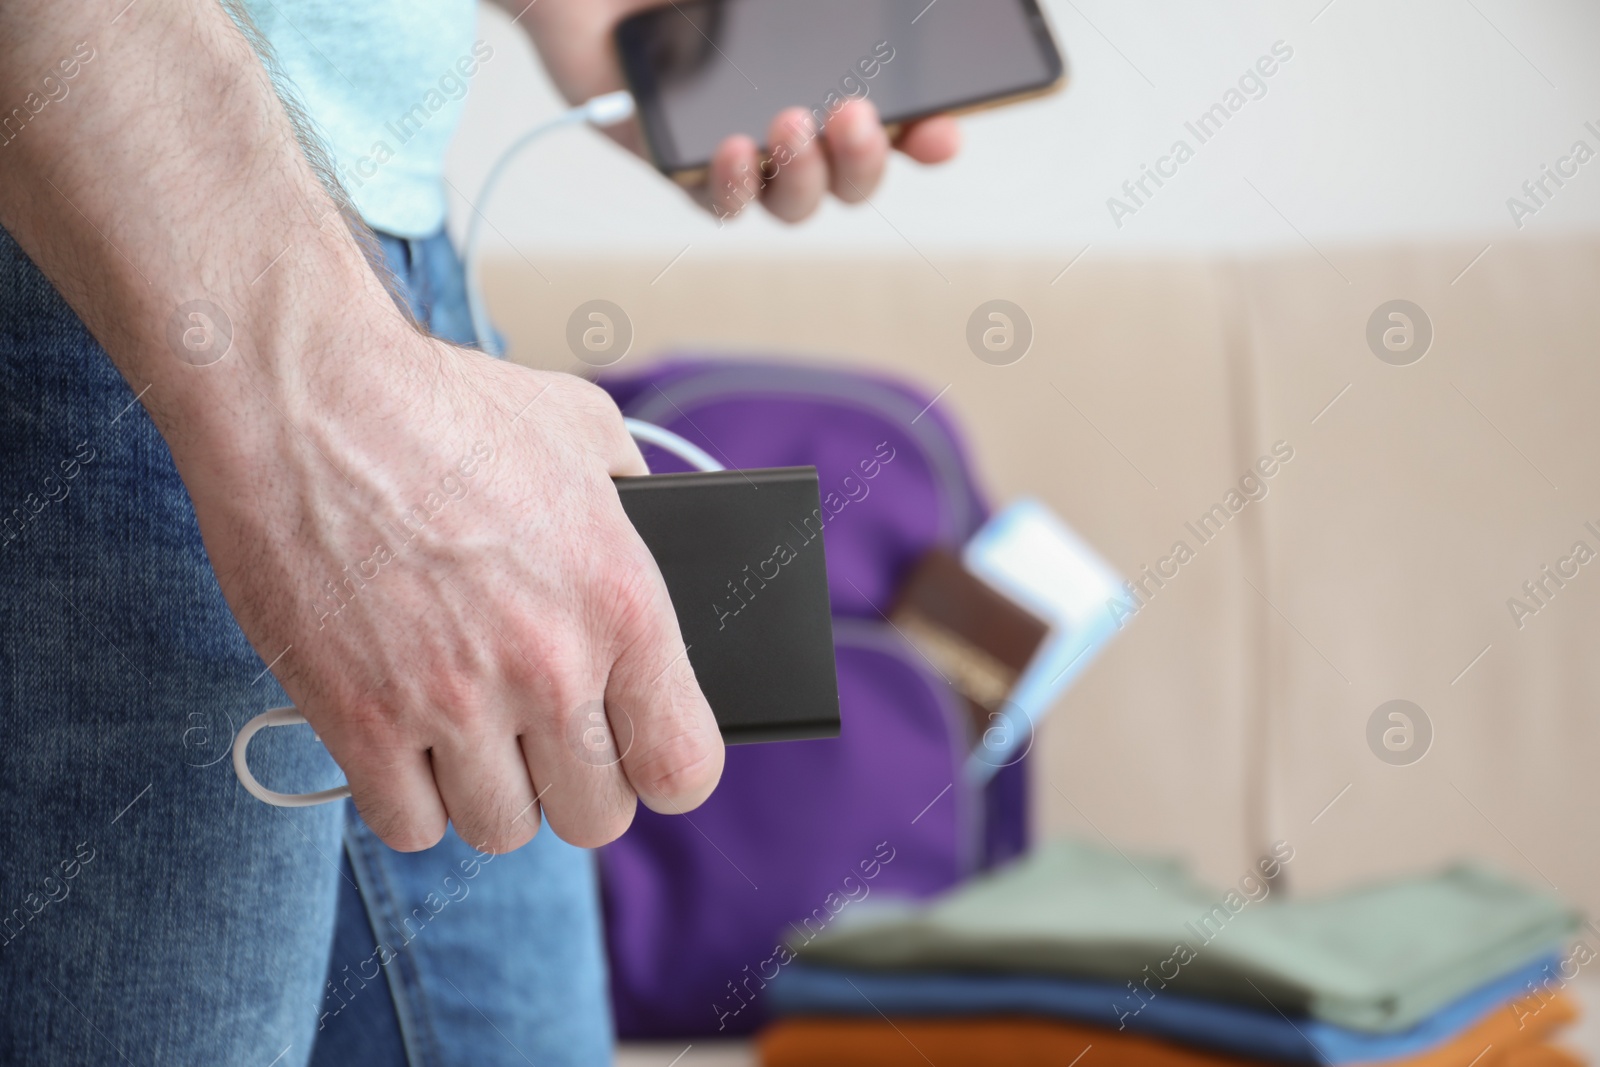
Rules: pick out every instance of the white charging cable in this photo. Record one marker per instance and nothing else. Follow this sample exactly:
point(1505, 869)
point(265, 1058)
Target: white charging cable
point(608, 109)
point(286, 716)
point(648, 433)
point(643, 432)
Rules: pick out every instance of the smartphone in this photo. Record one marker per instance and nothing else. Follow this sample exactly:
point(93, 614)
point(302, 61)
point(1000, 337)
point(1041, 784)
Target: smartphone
point(703, 70)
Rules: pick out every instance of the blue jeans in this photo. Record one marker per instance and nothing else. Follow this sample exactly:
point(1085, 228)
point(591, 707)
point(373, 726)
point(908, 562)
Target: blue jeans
point(150, 909)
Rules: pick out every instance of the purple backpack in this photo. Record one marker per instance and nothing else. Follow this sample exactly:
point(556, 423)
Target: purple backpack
point(699, 907)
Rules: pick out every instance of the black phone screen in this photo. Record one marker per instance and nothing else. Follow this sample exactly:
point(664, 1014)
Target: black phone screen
point(703, 70)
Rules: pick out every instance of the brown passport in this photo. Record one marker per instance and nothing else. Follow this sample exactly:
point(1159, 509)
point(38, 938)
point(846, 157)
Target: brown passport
point(978, 638)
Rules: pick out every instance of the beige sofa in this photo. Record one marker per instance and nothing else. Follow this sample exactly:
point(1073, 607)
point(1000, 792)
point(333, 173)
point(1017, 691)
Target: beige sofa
point(1233, 710)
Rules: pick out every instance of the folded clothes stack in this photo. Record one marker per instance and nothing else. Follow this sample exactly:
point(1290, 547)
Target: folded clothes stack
point(1078, 952)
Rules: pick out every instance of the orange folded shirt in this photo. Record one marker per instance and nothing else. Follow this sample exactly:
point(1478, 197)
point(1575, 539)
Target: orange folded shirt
point(1541, 1056)
point(1504, 1038)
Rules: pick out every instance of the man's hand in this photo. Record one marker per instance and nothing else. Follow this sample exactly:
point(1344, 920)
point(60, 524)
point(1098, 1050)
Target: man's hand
point(460, 594)
point(574, 39)
point(422, 542)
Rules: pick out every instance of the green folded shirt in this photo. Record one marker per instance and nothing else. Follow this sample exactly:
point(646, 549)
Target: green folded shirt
point(1379, 958)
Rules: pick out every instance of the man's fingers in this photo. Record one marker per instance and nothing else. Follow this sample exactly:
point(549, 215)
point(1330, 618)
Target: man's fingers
point(397, 798)
point(930, 140)
point(797, 173)
point(610, 438)
point(858, 147)
point(626, 461)
point(847, 158)
point(585, 796)
point(735, 177)
point(486, 790)
point(674, 756)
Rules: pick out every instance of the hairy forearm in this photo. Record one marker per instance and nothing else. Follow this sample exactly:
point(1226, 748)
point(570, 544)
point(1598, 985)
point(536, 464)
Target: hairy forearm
point(163, 172)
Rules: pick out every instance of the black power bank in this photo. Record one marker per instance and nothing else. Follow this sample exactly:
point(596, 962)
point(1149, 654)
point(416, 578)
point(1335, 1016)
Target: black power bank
point(741, 552)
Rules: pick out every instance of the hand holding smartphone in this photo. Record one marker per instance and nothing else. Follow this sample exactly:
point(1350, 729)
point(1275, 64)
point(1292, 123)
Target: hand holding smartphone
point(704, 70)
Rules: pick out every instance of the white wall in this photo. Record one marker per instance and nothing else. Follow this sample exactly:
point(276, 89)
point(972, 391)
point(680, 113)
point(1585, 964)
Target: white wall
point(1393, 120)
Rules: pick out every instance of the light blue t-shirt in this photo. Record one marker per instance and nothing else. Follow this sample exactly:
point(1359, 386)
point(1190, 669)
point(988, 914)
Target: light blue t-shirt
point(382, 82)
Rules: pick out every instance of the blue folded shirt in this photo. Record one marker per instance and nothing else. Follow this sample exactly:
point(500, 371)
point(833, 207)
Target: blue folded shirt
point(802, 989)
